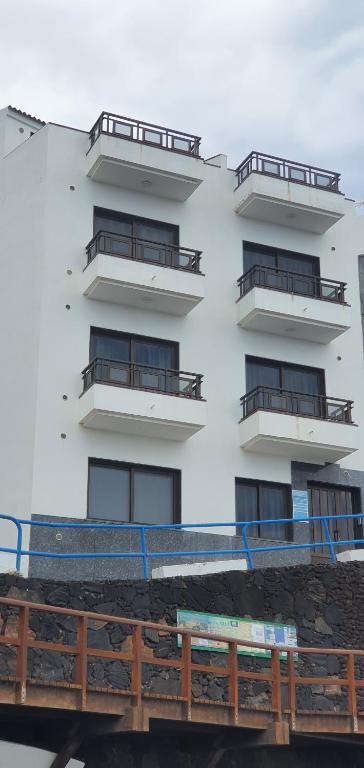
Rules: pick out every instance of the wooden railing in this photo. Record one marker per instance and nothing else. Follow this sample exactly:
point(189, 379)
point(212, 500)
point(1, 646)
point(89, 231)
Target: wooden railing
point(145, 133)
point(283, 670)
point(299, 173)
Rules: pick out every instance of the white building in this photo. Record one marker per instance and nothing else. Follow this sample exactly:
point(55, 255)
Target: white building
point(155, 294)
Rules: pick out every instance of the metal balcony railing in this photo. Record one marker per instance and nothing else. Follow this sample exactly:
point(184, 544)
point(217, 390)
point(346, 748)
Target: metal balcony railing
point(299, 173)
point(147, 251)
point(292, 282)
point(297, 404)
point(120, 373)
point(145, 133)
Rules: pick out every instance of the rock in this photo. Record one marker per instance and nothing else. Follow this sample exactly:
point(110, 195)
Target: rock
point(151, 635)
point(283, 602)
point(304, 606)
point(98, 639)
point(322, 627)
point(215, 692)
point(96, 625)
point(317, 688)
point(332, 614)
point(197, 690)
point(333, 665)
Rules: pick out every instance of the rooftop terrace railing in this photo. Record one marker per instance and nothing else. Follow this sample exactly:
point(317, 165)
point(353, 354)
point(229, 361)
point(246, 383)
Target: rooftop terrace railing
point(147, 251)
point(278, 167)
point(119, 373)
point(297, 404)
point(330, 541)
point(292, 282)
point(145, 133)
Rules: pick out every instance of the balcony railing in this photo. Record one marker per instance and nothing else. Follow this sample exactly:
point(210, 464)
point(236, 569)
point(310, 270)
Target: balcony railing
point(299, 173)
point(148, 251)
point(291, 282)
point(297, 404)
point(146, 377)
point(145, 133)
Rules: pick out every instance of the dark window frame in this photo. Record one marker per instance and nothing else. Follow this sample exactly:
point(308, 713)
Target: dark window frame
point(129, 218)
point(132, 468)
point(275, 251)
point(288, 506)
point(293, 366)
point(132, 337)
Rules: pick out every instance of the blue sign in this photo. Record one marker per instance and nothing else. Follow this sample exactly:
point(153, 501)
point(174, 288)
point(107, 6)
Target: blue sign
point(300, 504)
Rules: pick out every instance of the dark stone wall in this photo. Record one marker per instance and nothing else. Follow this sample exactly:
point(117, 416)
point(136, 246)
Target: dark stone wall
point(325, 602)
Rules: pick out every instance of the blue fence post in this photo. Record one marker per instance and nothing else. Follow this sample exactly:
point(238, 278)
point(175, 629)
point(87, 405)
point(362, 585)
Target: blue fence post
point(329, 540)
point(19, 545)
point(144, 552)
point(246, 545)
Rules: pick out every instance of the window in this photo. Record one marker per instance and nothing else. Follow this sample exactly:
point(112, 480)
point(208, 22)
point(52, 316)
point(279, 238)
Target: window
point(139, 361)
point(256, 500)
point(261, 255)
point(141, 239)
point(135, 226)
point(286, 378)
point(131, 493)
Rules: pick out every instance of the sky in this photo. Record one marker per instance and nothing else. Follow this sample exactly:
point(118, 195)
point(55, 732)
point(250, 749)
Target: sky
point(285, 77)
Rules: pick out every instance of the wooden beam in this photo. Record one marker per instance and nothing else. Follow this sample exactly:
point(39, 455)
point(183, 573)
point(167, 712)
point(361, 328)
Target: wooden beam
point(69, 749)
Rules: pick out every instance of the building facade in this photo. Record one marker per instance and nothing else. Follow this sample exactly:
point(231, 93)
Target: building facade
point(181, 341)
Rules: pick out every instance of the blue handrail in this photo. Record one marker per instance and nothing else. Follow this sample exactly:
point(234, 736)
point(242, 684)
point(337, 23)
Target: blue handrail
point(144, 554)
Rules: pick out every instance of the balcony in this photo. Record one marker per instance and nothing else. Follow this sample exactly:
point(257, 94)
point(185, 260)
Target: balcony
point(144, 157)
point(294, 305)
point(141, 400)
point(309, 428)
point(287, 193)
point(143, 274)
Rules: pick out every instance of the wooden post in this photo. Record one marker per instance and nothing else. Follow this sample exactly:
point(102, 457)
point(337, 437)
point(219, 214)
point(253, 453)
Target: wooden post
point(350, 666)
point(81, 660)
point(233, 680)
point(279, 726)
point(136, 674)
point(292, 688)
point(186, 682)
point(22, 655)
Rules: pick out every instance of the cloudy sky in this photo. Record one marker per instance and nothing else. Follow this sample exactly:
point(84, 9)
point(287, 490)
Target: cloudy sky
point(281, 76)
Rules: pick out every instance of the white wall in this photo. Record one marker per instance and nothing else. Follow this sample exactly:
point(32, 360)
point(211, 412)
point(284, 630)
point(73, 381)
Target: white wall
point(22, 200)
point(210, 341)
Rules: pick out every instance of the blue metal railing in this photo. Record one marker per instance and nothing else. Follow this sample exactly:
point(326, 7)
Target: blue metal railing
point(145, 555)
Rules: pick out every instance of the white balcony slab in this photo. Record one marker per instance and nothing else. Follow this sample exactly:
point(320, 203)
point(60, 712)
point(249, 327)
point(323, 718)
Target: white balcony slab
point(146, 286)
point(287, 203)
point(298, 438)
point(141, 413)
point(295, 317)
point(137, 166)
